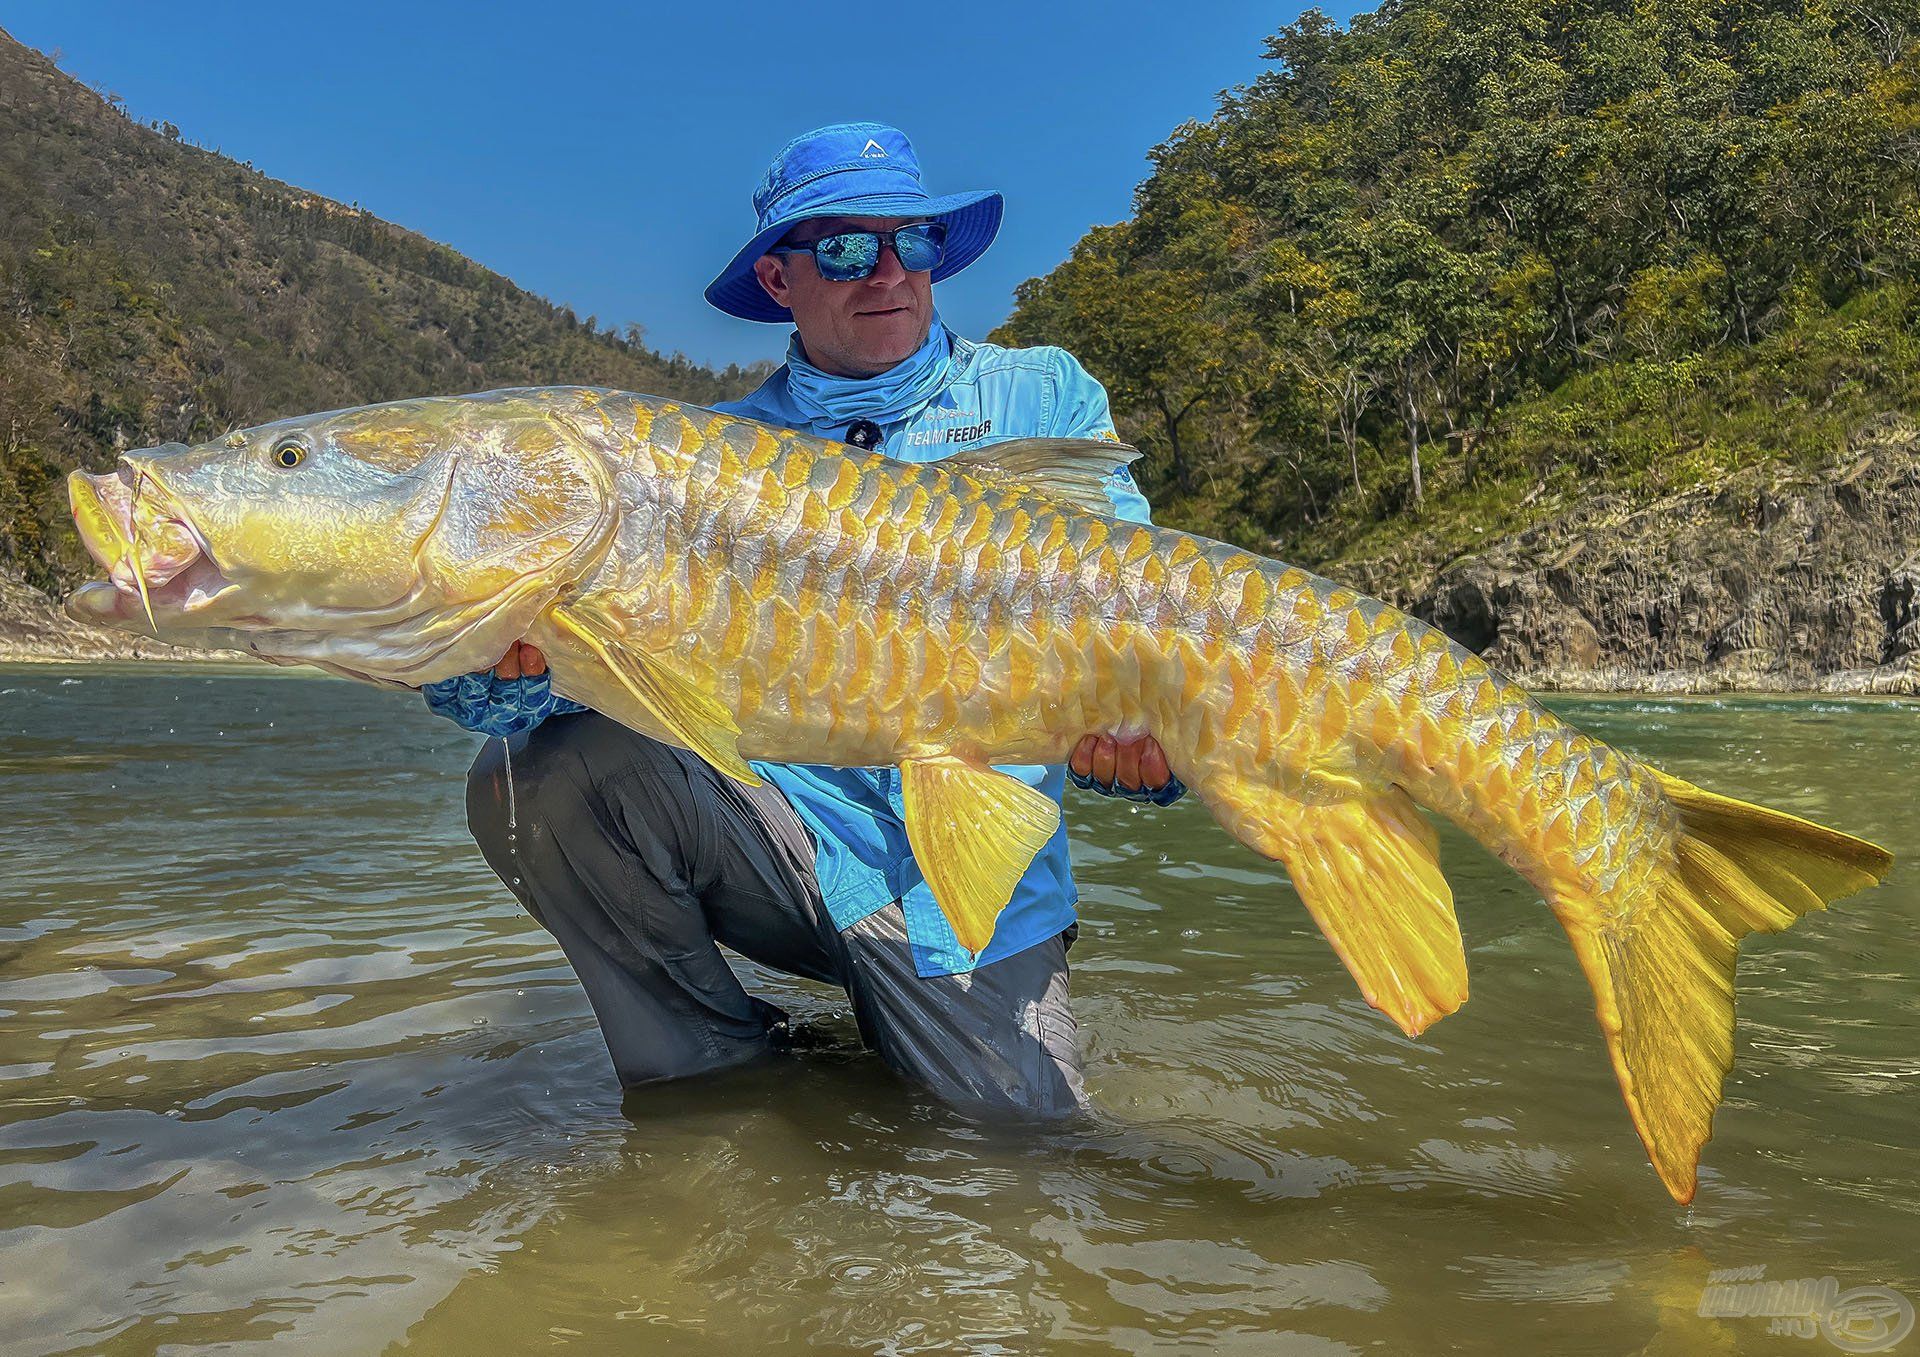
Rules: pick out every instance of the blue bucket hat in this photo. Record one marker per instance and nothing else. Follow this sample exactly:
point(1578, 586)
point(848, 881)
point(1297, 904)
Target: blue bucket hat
point(848, 170)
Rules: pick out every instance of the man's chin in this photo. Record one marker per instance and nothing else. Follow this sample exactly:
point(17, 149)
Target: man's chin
point(891, 340)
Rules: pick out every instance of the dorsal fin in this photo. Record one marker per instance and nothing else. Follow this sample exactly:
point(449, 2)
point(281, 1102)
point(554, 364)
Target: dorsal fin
point(1071, 470)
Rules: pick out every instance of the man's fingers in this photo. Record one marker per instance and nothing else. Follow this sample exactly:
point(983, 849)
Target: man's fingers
point(521, 661)
point(1135, 765)
point(1103, 759)
point(1154, 772)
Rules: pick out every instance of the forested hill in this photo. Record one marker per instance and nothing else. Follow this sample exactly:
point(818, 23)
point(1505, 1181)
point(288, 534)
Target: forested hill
point(1465, 263)
point(151, 290)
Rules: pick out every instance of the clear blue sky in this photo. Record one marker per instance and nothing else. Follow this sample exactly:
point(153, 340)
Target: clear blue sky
point(603, 155)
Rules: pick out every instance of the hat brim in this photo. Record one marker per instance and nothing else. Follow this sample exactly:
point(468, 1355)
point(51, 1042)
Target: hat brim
point(972, 220)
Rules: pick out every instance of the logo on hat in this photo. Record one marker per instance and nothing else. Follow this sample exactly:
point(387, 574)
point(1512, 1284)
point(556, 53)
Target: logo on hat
point(873, 150)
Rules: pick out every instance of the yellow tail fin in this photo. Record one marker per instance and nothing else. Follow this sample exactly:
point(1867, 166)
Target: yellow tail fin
point(1662, 970)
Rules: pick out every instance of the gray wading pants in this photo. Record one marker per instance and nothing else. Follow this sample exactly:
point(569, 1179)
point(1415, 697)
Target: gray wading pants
point(641, 859)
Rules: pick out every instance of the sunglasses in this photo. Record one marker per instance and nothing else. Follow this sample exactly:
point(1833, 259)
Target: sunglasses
point(847, 256)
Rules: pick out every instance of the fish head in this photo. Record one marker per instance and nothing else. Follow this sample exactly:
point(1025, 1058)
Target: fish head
point(398, 543)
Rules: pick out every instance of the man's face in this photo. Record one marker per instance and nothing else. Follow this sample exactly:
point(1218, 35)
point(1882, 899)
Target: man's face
point(852, 329)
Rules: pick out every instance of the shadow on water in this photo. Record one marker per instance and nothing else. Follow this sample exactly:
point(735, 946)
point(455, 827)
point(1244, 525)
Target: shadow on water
point(279, 1059)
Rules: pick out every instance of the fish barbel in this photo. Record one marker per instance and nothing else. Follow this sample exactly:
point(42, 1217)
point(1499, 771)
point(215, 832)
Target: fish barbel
point(751, 593)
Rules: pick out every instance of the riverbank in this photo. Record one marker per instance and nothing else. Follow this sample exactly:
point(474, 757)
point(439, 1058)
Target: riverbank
point(33, 628)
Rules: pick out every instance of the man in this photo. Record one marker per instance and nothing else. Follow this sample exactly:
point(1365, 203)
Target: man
point(641, 859)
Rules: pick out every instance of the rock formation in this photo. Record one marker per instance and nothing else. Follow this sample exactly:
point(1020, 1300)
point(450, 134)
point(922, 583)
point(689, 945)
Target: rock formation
point(1775, 579)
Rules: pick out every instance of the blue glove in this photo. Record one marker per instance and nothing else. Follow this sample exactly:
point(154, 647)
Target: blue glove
point(495, 706)
point(1165, 795)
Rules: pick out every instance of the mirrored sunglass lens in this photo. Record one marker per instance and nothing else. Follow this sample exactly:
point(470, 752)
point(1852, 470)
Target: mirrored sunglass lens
point(918, 247)
point(849, 255)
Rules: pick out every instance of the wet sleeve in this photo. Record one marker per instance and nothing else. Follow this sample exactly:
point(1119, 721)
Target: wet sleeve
point(1081, 411)
point(495, 706)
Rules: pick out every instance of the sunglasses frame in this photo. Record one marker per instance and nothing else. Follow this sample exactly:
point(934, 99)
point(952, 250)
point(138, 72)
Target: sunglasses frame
point(934, 232)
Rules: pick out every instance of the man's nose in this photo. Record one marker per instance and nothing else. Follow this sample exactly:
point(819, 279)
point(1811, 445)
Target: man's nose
point(887, 269)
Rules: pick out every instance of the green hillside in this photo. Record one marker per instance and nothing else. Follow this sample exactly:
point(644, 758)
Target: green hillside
point(151, 290)
point(1446, 271)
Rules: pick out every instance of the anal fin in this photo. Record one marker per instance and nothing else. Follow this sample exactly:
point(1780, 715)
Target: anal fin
point(1368, 871)
point(974, 832)
point(690, 718)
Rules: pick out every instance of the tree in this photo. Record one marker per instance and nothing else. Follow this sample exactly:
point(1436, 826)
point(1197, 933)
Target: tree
point(1145, 328)
point(1412, 236)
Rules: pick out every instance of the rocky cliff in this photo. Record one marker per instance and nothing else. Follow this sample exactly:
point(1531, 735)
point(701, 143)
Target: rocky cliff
point(1778, 578)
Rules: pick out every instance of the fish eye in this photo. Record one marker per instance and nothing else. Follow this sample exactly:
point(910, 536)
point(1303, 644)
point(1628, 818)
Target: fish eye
point(290, 454)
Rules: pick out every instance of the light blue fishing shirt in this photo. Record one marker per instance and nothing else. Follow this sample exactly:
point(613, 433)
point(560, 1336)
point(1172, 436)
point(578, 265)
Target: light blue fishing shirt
point(952, 395)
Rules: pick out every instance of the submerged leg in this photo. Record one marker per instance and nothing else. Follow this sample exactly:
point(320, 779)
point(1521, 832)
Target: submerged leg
point(639, 858)
point(1000, 1038)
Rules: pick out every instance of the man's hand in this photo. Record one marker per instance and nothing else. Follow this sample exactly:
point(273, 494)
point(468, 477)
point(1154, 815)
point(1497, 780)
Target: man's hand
point(1136, 768)
point(521, 661)
point(515, 695)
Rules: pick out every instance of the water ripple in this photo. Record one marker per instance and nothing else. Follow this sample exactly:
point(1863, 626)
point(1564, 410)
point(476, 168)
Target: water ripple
point(281, 1062)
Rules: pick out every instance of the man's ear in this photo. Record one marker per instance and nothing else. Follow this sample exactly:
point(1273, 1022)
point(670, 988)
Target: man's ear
point(771, 270)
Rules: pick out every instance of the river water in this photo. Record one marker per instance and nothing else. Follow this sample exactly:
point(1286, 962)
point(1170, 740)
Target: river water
point(281, 1064)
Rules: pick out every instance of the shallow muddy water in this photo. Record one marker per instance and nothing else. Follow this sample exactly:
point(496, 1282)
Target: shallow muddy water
point(282, 1064)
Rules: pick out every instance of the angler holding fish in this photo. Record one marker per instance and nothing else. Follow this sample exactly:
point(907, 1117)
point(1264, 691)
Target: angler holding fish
point(813, 873)
point(732, 590)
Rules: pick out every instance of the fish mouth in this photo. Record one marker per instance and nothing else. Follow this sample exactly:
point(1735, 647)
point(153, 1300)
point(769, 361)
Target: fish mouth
point(156, 561)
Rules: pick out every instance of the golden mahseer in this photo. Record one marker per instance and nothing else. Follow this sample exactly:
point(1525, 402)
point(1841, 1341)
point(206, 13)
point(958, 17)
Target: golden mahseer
point(746, 592)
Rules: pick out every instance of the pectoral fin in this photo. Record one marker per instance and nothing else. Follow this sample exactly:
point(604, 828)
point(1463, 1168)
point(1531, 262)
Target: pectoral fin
point(1368, 871)
point(692, 719)
point(974, 832)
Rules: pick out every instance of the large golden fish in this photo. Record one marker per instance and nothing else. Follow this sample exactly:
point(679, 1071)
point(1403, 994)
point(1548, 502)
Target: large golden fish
point(747, 592)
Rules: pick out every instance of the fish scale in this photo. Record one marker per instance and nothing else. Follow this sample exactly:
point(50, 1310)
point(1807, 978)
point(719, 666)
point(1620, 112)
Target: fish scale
point(1021, 637)
point(748, 592)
